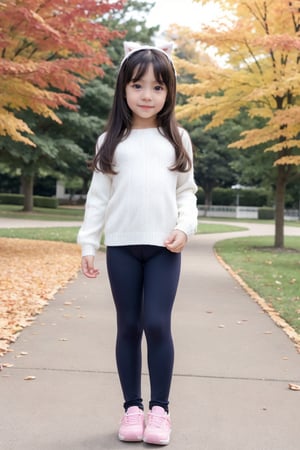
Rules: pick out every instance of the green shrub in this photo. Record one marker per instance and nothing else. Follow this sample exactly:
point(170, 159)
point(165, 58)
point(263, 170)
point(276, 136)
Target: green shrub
point(11, 199)
point(200, 196)
point(224, 196)
point(253, 197)
point(38, 201)
point(266, 213)
point(45, 202)
point(228, 197)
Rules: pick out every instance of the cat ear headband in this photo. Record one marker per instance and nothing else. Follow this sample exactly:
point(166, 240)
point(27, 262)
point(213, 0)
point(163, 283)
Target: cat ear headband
point(133, 47)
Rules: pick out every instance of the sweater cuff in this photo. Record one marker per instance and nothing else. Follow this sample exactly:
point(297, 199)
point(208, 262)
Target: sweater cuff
point(88, 250)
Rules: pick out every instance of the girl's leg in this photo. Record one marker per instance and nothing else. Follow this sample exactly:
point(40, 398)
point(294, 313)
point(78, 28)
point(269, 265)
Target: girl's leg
point(161, 275)
point(126, 278)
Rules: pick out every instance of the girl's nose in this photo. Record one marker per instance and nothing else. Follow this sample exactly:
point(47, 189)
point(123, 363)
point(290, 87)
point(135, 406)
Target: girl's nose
point(147, 94)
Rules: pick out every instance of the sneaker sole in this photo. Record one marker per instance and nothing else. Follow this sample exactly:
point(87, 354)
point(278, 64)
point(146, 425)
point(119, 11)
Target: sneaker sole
point(154, 442)
point(134, 439)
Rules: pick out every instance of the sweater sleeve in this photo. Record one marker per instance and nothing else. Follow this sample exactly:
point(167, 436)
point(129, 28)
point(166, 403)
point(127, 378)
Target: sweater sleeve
point(89, 235)
point(185, 194)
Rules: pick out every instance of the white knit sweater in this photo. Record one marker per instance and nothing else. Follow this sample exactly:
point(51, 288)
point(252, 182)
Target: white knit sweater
point(145, 200)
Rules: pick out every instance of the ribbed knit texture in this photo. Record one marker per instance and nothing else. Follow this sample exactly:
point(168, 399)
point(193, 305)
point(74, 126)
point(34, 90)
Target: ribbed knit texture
point(145, 200)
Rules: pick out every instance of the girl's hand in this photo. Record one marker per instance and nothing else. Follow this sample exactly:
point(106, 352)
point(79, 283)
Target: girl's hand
point(176, 241)
point(87, 266)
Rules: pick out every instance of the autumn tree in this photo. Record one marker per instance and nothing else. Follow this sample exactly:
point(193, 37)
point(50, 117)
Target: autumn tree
point(259, 48)
point(49, 49)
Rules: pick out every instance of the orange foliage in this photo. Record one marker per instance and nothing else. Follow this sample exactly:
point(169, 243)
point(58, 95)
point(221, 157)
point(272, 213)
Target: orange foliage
point(48, 48)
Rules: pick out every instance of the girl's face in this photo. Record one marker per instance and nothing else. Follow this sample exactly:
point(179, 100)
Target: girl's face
point(145, 98)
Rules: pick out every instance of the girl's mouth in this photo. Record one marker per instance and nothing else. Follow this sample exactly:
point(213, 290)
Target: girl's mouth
point(145, 106)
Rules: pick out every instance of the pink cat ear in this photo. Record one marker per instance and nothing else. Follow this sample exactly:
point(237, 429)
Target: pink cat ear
point(130, 46)
point(167, 48)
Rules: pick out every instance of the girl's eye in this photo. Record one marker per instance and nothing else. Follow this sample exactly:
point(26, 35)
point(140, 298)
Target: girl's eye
point(159, 87)
point(136, 86)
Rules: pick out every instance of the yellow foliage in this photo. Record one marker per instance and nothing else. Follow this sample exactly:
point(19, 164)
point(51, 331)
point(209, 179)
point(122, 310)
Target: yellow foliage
point(284, 145)
point(20, 94)
point(291, 160)
point(258, 72)
point(13, 127)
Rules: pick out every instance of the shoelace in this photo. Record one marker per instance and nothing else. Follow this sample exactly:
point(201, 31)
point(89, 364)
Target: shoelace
point(157, 421)
point(132, 418)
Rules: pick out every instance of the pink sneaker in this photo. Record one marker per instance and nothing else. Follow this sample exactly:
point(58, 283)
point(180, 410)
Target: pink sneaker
point(132, 425)
point(158, 428)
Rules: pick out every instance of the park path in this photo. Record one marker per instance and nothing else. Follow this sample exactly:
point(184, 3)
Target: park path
point(231, 376)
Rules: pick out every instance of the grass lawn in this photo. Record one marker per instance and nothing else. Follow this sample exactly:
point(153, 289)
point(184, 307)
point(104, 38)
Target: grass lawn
point(60, 213)
point(272, 273)
point(63, 234)
point(206, 228)
point(69, 234)
point(290, 223)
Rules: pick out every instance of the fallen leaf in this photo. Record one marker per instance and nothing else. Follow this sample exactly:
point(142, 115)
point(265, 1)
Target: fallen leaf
point(294, 387)
point(30, 378)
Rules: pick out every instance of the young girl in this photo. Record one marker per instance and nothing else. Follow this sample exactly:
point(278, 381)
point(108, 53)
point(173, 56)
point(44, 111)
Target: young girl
point(142, 196)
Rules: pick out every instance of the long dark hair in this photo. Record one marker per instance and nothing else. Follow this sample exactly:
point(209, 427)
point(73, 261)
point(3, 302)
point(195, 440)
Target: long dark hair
point(120, 120)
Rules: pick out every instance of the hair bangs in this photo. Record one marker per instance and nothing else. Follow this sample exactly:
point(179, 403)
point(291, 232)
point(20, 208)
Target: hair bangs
point(162, 69)
point(138, 63)
point(140, 70)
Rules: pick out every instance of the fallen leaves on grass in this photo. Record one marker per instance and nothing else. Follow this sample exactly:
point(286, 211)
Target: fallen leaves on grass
point(279, 321)
point(31, 272)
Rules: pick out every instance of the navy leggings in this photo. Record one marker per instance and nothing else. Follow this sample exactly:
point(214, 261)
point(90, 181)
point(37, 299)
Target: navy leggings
point(144, 281)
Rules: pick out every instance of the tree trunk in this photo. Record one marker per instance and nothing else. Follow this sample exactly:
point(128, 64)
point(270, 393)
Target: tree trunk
point(27, 191)
point(208, 197)
point(279, 208)
point(85, 185)
point(207, 201)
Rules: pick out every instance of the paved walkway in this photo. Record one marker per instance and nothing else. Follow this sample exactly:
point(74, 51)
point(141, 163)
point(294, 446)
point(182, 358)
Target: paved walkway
point(230, 387)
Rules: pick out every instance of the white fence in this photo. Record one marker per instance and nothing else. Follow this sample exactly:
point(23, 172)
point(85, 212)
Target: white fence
point(240, 212)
